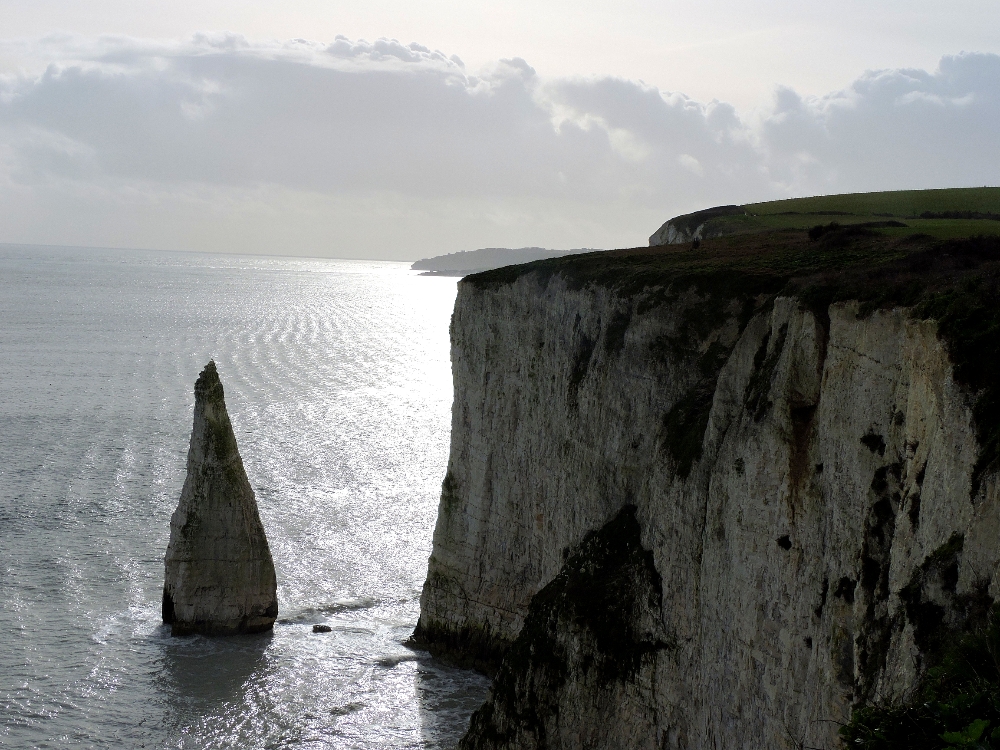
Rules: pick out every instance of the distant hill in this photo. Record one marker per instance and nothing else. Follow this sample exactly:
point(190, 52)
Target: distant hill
point(485, 259)
point(947, 213)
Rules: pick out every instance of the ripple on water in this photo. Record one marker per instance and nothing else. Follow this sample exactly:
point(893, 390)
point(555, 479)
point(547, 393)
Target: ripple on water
point(338, 384)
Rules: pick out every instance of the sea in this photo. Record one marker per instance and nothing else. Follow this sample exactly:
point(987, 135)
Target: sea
point(338, 384)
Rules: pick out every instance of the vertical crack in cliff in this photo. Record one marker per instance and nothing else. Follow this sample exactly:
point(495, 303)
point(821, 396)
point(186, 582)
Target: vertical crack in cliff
point(587, 650)
point(685, 424)
point(580, 368)
point(799, 473)
point(803, 405)
point(757, 396)
point(614, 334)
point(682, 431)
point(876, 556)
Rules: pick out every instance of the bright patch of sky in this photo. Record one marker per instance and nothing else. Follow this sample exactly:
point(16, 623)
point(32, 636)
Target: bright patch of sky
point(274, 127)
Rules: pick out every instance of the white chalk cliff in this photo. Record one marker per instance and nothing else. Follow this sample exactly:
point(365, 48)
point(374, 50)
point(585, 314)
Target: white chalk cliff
point(698, 225)
point(671, 234)
point(798, 511)
point(219, 573)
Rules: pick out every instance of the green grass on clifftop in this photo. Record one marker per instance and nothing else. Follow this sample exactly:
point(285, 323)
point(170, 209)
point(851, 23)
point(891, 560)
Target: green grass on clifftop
point(946, 213)
point(896, 203)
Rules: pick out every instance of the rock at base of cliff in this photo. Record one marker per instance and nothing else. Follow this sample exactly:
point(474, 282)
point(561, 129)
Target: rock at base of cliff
point(470, 648)
point(219, 573)
point(581, 672)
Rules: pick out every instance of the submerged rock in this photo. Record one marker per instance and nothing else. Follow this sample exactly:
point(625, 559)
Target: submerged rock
point(219, 573)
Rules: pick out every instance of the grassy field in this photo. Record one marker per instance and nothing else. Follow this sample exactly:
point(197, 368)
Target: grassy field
point(945, 214)
point(897, 203)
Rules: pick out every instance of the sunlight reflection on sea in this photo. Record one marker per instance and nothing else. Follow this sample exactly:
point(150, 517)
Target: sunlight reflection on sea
point(338, 383)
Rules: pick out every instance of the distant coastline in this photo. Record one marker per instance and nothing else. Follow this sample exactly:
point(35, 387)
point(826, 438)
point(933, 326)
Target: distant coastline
point(485, 259)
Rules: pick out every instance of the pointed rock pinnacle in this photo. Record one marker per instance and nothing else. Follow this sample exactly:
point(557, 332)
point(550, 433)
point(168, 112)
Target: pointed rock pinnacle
point(219, 573)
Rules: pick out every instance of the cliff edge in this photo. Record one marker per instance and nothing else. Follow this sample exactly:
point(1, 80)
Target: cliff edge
point(802, 436)
point(219, 573)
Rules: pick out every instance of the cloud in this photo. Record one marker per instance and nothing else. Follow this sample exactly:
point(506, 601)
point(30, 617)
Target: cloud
point(395, 150)
point(890, 129)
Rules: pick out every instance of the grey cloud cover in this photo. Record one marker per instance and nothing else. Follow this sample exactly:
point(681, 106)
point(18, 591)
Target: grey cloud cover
point(890, 129)
point(381, 149)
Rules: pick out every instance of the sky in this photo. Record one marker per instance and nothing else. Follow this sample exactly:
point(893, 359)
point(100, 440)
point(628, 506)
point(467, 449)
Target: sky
point(399, 130)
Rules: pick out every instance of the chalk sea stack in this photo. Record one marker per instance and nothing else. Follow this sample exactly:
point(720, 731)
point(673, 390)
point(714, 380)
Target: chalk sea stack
point(219, 572)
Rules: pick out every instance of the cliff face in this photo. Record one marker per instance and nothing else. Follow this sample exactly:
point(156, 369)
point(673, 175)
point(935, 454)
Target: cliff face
point(219, 573)
point(700, 225)
point(801, 479)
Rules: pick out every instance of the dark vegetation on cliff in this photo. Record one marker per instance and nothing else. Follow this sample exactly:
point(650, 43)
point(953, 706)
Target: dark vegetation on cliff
point(956, 705)
point(595, 627)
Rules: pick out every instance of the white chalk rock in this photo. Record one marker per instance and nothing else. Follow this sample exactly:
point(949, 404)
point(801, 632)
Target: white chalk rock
point(219, 572)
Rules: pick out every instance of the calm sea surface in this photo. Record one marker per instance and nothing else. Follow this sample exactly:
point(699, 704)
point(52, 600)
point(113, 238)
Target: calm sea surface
point(338, 384)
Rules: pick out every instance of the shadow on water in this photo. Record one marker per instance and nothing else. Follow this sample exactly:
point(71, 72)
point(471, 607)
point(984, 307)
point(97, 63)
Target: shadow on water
point(200, 675)
point(448, 696)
